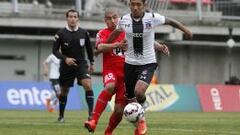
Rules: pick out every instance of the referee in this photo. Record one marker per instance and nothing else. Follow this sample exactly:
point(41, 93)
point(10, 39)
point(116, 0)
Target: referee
point(69, 46)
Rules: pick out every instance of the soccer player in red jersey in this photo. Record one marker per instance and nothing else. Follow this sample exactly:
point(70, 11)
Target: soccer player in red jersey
point(113, 74)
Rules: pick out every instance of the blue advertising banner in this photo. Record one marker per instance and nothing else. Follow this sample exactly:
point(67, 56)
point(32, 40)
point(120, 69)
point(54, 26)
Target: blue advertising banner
point(188, 99)
point(32, 96)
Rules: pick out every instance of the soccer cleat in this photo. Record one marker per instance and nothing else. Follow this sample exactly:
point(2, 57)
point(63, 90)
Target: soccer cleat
point(90, 125)
point(60, 120)
point(142, 127)
point(107, 133)
point(136, 132)
point(48, 105)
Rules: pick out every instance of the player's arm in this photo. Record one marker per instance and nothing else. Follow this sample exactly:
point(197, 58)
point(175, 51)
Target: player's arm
point(106, 47)
point(180, 26)
point(56, 47)
point(114, 35)
point(161, 48)
point(89, 49)
point(45, 68)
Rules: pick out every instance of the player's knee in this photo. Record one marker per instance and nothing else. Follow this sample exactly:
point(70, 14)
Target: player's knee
point(110, 87)
point(118, 109)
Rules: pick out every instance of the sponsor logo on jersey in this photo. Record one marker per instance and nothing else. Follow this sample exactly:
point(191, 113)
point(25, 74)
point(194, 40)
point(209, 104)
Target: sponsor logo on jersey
point(137, 34)
point(82, 41)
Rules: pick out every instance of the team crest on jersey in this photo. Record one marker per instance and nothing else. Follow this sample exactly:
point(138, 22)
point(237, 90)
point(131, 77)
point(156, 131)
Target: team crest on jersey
point(82, 41)
point(148, 25)
point(126, 25)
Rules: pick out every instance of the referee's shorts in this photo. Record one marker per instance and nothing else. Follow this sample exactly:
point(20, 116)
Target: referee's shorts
point(69, 73)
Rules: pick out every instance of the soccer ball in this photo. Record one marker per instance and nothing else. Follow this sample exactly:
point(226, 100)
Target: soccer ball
point(133, 112)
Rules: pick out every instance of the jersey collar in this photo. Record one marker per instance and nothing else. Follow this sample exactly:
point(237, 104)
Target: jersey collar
point(76, 28)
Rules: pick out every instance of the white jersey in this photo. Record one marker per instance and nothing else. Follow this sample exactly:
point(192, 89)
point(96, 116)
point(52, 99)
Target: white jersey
point(140, 37)
point(53, 63)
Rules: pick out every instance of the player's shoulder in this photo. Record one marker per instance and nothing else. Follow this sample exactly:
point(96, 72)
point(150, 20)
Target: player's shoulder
point(60, 31)
point(103, 32)
point(82, 30)
point(152, 15)
point(125, 17)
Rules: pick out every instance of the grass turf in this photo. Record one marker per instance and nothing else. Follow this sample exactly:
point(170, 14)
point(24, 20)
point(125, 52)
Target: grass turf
point(159, 123)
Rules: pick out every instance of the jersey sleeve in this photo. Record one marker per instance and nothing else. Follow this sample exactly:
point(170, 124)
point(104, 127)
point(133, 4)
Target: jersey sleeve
point(48, 59)
point(158, 19)
point(56, 46)
point(100, 38)
point(89, 48)
point(120, 24)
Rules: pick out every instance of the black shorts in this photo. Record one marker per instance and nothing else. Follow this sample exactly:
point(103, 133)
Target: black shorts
point(133, 73)
point(69, 73)
point(55, 85)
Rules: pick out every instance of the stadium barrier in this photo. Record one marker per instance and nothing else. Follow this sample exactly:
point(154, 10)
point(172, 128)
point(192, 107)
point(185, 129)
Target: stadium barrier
point(170, 98)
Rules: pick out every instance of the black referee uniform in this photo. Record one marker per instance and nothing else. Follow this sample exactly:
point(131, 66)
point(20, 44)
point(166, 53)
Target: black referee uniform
point(73, 44)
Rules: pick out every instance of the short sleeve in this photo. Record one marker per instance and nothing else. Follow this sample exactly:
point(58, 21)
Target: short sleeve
point(48, 59)
point(120, 24)
point(158, 19)
point(100, 38)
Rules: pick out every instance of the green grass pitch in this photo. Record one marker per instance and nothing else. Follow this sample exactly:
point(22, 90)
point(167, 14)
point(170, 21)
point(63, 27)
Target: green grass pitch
point(159, 123)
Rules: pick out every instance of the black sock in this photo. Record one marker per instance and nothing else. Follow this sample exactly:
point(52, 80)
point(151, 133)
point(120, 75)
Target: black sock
point(90, 101)
point(141, 100)
point(62, 105)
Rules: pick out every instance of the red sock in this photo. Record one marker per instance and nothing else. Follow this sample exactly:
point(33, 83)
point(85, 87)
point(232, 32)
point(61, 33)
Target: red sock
point(101, 104)
point(114, 121)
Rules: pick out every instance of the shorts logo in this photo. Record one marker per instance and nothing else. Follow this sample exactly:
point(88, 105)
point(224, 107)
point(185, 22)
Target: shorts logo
point(108, 77)
point(82, 41)
point(144, 72)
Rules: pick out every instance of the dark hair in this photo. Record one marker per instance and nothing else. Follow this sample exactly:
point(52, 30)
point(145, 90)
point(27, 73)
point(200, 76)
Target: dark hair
point(72, 10)
point(143, 1)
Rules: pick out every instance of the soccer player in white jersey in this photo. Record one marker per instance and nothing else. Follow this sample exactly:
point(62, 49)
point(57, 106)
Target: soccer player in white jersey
point(140, 59)
point(51, 70)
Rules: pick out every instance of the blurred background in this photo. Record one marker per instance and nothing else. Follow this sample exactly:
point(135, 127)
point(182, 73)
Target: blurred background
point(200, 75)
point(27, 28)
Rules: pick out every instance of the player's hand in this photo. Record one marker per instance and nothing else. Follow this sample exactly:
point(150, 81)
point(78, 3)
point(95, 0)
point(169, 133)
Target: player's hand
point(96, 52)
point(70, 61)
point(45, 72)
point(164, 49)
point(123, 45)
point(188, 34)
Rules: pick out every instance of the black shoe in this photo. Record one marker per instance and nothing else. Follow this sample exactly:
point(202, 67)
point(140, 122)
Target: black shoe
point(60, 120)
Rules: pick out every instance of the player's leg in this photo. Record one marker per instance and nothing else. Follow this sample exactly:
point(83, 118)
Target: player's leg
point(144, 78)
point(89, 96)
point(66, 80)
point(120, 103)
point(130, 82)
point(145, 74)
point(84, 79)
point(103, 98)
point(62, 102)
point(56, 87)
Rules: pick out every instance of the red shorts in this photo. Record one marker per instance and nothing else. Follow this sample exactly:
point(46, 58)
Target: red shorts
point(112, 77)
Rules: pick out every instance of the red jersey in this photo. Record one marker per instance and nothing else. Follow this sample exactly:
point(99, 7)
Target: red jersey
point(112, 60)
